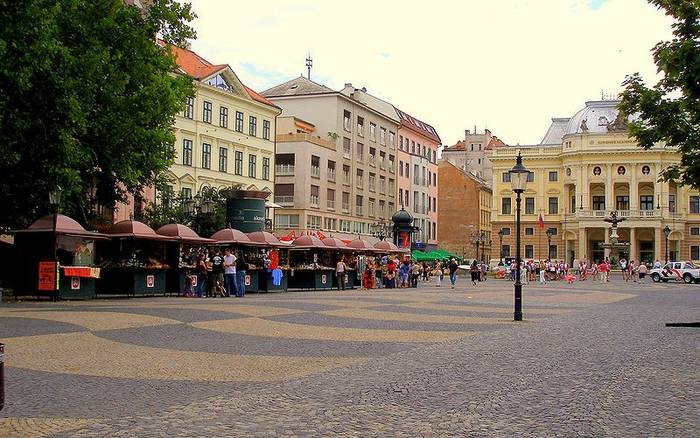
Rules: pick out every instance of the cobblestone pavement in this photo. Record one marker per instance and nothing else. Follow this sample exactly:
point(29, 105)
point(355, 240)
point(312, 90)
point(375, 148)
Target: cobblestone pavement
point(590, 360)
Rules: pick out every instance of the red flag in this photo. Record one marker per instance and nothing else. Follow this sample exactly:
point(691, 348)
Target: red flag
point(541, 221)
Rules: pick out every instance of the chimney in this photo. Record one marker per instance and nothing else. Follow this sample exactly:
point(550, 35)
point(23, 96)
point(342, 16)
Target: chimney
point(348, 85)
point(466, 133)
point(487, 132)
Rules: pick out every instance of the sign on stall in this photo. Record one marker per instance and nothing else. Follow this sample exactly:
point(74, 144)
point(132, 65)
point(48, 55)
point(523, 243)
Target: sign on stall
point(48, 276)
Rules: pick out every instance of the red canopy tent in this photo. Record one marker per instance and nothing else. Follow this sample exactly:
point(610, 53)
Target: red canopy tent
point(182, 233)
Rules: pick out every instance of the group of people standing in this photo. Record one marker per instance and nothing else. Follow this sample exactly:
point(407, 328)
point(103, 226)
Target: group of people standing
point(553, 270)
point(216, 273)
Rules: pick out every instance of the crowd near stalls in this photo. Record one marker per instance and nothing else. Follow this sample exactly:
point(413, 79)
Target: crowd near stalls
point(544, 271)
point(57, 258)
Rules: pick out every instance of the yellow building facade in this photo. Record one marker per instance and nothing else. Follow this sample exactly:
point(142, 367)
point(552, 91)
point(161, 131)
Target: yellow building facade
point(586, 167)
point(226, 135)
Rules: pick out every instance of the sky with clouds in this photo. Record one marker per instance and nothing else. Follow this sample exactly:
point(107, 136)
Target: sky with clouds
point(509, 65)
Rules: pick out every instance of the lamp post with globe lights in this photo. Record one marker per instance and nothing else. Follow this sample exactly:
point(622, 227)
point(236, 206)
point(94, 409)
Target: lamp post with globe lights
point(667, 232)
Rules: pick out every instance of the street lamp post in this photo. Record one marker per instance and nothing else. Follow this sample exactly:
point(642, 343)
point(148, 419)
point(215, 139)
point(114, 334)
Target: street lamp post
point(667, 232)
point(518, 181)
point(381, 229)
point(549, 243)
point(500, 245)
point(55, 202)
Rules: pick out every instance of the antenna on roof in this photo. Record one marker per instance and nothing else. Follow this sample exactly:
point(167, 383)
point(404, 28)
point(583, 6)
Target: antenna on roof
point(309, 64)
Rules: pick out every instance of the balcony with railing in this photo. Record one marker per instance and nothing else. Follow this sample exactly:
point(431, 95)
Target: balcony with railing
point(391, 167)
point(314, 200)
point(360, 156)
point(331, 175)
point(315, 171)
point(346, 207)
point(628, 214)
point(382, 187)
point(330, 204)
point(372, 160)
point(358, 210)
point(285, 201)
point(284, 169)
point(346, 152)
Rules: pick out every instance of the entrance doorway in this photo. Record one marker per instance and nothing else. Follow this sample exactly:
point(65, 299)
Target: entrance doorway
point(597, 251)
point(646, 251)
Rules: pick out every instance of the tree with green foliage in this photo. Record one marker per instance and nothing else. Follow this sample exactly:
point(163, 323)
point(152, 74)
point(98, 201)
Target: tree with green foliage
point(669, 112)
point(87, 101)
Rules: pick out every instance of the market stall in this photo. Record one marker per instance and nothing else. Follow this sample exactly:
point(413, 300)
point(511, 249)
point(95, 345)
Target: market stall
point(133, 261)
point(263, 255)
point(55, 258)
point(312, 265)
point(359, 247)
point(180, 256)
point(338, 249)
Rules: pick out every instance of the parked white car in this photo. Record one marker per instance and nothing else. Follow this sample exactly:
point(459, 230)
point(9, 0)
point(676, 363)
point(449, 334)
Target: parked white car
point(676, 271)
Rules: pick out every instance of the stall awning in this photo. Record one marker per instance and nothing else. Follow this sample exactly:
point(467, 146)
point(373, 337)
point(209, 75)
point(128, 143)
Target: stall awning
point(135, 230)
point(182, 233)
point(65, 226)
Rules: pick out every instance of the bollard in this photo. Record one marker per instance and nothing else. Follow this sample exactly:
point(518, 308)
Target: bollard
point(2, 376)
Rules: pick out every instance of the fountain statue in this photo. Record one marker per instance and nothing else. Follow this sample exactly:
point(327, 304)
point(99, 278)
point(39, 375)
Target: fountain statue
point(615, 245)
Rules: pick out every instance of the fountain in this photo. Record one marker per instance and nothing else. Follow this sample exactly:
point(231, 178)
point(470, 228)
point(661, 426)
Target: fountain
point(615, 245)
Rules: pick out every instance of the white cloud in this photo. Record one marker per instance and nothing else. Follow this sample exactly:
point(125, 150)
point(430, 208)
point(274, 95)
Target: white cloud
point(509, 64)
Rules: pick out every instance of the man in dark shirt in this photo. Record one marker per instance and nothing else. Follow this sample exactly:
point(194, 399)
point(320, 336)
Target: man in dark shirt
point(217, 274)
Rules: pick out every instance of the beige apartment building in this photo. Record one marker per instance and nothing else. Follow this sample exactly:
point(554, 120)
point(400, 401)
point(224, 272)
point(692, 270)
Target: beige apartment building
point(336, 158)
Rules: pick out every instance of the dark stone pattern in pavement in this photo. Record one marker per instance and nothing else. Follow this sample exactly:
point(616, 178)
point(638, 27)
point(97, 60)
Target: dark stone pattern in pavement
point(188, 338)
point(12, 327)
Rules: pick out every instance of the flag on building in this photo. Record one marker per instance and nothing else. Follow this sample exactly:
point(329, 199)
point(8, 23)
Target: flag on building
point(541, 221)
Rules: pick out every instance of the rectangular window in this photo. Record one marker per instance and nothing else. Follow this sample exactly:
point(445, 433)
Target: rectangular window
point(344, 226)
point(622, 202)
point(505, 206)
point(553, 253)
point(400, 168)
point(372, 131)
point(266, 169)
point(287, 220)
point(315, 166)
point(370, 206)
point(315, 196)
point(695, 231)
point(505, 177)
point(646, 202)
point(206, 112)
point(505, 250)
point(239, 121)
point(346, 175)
point(252, 165)
point(529, 252)
point(206, 156)
point(392, 138)
point(360, 151)
point(506, 231)
point(553, 176)
point(266, 129)
point(252, 126)
point(529, 231)
point(186, 193)
point(346, 147)
point(346, 120)
point(671, 203)
point(238, 163)
point(694, 204)
point(313, 222)
point(189, 108)
point(330, 198)
point(531, 177)
point(553, 205)
point(695, 252)
point(598, 202)
point(360, 126)
point(284, 194)
point(187, 152)
point(358, 205)
point(223, 159)
point(573, 204)
point(382, 136)
point(223, 117)
point(346, 202)
point(372, 180)
point(552, 231)
point(529, 205)
point(331, 170)
point(360, 181)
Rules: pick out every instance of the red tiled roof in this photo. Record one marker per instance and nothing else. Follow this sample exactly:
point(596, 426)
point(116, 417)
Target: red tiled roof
point(495, 142)
point(414, 124)
point(199, 68)
point(459, 146)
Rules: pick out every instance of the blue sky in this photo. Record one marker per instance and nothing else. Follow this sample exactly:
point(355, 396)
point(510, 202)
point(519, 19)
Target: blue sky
point(509, 65)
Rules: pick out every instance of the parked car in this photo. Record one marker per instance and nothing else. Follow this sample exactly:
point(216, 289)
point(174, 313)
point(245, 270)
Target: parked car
point(676, 271)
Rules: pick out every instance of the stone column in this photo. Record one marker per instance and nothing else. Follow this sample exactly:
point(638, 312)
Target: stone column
point(658, 244)
point(634, 255)
point(609, 189)
point(606, 232)
point(582, 244)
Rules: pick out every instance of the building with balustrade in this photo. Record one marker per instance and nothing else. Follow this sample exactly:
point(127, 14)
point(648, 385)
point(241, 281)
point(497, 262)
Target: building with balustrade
point(585, 167)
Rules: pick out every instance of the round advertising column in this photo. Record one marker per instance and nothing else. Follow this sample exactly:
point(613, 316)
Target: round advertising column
point(403, 229)
point(245, 209)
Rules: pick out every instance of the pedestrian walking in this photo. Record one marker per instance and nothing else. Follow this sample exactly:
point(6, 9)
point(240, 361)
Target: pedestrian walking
point(230, 273)
point(475, 272)
point(452, 267)
point(241, 268)
point(340, 273)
